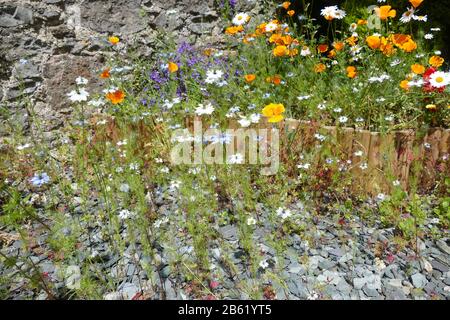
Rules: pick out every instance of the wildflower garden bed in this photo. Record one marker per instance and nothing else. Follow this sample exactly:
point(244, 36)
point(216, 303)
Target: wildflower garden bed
point(357, 208)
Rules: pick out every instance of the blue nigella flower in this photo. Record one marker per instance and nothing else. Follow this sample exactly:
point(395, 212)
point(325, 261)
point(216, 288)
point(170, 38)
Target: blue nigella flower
point(40, 179)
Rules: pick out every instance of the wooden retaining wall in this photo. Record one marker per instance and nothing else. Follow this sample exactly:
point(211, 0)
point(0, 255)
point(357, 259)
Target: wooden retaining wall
point(404, 155)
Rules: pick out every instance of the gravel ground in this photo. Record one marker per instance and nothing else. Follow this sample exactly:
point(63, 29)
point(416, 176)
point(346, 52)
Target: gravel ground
point(348, 260)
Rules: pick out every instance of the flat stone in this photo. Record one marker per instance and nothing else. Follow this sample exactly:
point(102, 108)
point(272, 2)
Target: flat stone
point(337, 252)
point(326, 264)
point(129, 290)
point(370, 292)
point(395, 294)
point(419, 280)
point(439, 266)
point(443, 246)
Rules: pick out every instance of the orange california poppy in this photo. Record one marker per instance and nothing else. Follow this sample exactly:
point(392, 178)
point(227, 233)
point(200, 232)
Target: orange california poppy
point(105, 73)
point(385, 12)
point(172, 66)
point(250, 78)
point(116, 97)
point(114, 40)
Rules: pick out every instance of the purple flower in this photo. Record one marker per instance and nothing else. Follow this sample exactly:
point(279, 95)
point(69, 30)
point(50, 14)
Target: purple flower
point(233, 3)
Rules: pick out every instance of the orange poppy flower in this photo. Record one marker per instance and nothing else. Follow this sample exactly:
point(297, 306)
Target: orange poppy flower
point(409, 46)
point(274, 111)
point(415, 3)
point(286, 5)
point(361, 22)
point(105, 73)
point(234, 29)
point(250, 78)
point(116, 97)
point(319, 68)
point(418, 68)
point(374, 42)
point(385, 12)
point(339, 46)
point(351, 72)
point(436, 61)
point(172, 66)
point(291, 13)
point(276, 79)
point(114, 40)
point(280, 51)
point(404, 85)
point(332, 54)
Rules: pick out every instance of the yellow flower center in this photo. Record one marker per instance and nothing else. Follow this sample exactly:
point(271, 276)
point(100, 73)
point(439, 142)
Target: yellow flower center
point(439, 79)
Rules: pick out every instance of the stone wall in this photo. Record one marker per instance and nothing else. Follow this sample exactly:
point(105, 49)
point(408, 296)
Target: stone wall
point(46, 44)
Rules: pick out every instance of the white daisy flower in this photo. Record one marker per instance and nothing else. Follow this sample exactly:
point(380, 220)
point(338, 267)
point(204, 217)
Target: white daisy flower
point(407, 16)
point(241, 19)
point(440, 79)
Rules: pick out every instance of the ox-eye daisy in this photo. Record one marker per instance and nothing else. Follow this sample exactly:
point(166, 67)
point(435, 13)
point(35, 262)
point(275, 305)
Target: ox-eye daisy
point(440, 79)
point(240, 19)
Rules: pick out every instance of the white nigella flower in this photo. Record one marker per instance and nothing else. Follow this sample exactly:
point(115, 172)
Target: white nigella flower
point(319, 137)
point(396, 183)
point(337, 110)
point(395, 62)
point(23, 146)
point(416, 83)
point(264, 264)
point(435, 29)
point(438, 52)
point(81, 81)
point(359, 119)
point(389, 118)
point(306, 97)
point(283, 213)
point(428, 36)
point(164, 170)
point(244, 122)
point(96, 103)
point(236, 159)
point(255, 117)
point(305, 166)
point(213, 76)
point(174, 184)
point(321, 106)
point(363, 166)
point(251, 221)
point(78, 96)
point(381, 197)
point(124, 187)
point(202, 109)
point(119, 170)
point(126, 214)
point(343, 119)
point(122, 143)
point(240, 19)
point(358, 153)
